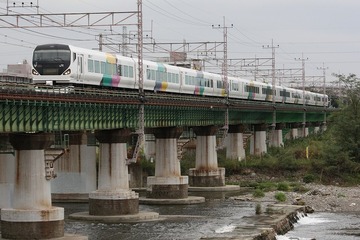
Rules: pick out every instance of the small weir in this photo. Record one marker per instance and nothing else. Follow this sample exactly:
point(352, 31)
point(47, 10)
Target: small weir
point(322, 225)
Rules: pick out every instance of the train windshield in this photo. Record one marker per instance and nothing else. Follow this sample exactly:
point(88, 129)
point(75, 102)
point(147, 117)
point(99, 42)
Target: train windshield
point(52, 55)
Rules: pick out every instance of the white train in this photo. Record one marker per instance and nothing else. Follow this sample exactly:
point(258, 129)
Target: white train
point(66, 64)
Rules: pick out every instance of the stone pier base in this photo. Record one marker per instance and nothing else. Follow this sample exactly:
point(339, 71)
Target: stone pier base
point(32, 224)
point(210, 178)
point(167, 187)
point(113, 203)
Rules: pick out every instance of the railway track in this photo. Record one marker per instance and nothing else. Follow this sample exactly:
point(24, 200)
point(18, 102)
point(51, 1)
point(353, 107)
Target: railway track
point(30, 92)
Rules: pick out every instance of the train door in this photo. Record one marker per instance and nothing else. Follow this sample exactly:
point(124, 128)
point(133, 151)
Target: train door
point(80, 68)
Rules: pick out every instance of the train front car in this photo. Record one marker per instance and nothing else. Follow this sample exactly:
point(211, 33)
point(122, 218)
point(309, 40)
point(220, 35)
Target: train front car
point(52, 63)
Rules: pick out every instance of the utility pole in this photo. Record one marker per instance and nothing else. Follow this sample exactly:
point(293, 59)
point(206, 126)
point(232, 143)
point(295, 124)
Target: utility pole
point(324, 88)
point(141, 128)
point(123, 45)
point(272, 47)
point(225, 79)
point(302, 59)
point(225, 64)
point(100, 42)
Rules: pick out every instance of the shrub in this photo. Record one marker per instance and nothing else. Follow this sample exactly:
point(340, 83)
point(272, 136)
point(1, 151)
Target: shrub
point(283, 186)
point(258, 209)
point(258, 193)
point(267, 186)
point(309, 178)
point(280, 196)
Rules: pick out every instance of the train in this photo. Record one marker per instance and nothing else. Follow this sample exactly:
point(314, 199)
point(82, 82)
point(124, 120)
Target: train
point(55, 64)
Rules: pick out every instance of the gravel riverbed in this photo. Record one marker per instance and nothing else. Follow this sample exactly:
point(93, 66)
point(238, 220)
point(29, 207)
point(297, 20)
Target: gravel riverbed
point(322, 198)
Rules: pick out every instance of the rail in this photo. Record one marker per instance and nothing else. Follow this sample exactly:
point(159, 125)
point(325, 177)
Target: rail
point(17, 91)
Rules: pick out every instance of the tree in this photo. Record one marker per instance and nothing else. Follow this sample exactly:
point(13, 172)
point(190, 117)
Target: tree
point(346, 122)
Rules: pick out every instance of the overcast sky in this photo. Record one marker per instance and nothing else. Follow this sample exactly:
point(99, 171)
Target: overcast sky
point(324, 31)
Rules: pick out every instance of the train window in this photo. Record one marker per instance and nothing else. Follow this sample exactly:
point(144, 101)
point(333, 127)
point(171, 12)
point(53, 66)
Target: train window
point(90, 65)
point(157, 76)
point(97, 66)
point(109, 68)
point(284, 94)
point(160, 76)
point(126, 71)
point(121, 70)
point(219, 84)
point(267, 91)
point(234, 86)
point(103, 67)
point(296, 95)
point(131, 71)
point(252, 89)
point(207, 82)
point(74, 56)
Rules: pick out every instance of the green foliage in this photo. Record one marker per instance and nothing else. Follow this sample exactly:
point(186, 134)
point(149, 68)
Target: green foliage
point(267, 186)
point(283, 186)
point(297, 187)
point(232, 166)
point(346, 122)
point(258, 209)
point(147, 166)
point(280, 196)
point(309, 178)
point(187, 162)
point(258, 193)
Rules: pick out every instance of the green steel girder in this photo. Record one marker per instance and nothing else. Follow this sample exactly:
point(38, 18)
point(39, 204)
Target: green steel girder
point(37, 115)
point(27, 116)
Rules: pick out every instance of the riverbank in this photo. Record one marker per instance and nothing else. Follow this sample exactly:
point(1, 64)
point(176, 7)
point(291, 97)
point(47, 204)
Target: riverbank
point(322, 198)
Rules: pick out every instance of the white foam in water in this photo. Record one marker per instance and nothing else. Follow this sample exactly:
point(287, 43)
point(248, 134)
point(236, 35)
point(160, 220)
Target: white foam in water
point(310, 220)
point(280, 237)
point(224, 229)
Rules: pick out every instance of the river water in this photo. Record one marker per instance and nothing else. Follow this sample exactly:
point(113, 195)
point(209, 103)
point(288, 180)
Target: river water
point(216, 218)
point(328, 226)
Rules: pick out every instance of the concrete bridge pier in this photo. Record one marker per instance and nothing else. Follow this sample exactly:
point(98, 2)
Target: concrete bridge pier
point(7, 170)
point(303, 131)
point(235, 142)
point(113, 196)
point(294, 132)
point(317, 127)
point(31, 215)
point(76, 170)
point(167, 182)
point(276, 136)
point(113, 201)
point(258, 140)
point(323, 127)
point(206, 172)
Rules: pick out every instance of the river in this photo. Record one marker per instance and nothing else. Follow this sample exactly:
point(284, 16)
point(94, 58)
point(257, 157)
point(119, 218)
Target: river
point(216, 218)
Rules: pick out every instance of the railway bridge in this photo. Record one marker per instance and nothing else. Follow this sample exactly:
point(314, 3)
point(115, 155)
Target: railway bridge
point(30, 117)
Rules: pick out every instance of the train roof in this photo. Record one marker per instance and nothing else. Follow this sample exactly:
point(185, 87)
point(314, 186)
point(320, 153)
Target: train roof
point(53, 46)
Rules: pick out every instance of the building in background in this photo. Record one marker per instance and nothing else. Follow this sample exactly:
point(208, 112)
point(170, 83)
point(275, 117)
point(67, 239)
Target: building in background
point(19, 73)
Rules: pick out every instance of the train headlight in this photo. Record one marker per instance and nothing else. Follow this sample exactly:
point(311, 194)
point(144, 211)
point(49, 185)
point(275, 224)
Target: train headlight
point(34, 72)
point(67, 72)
